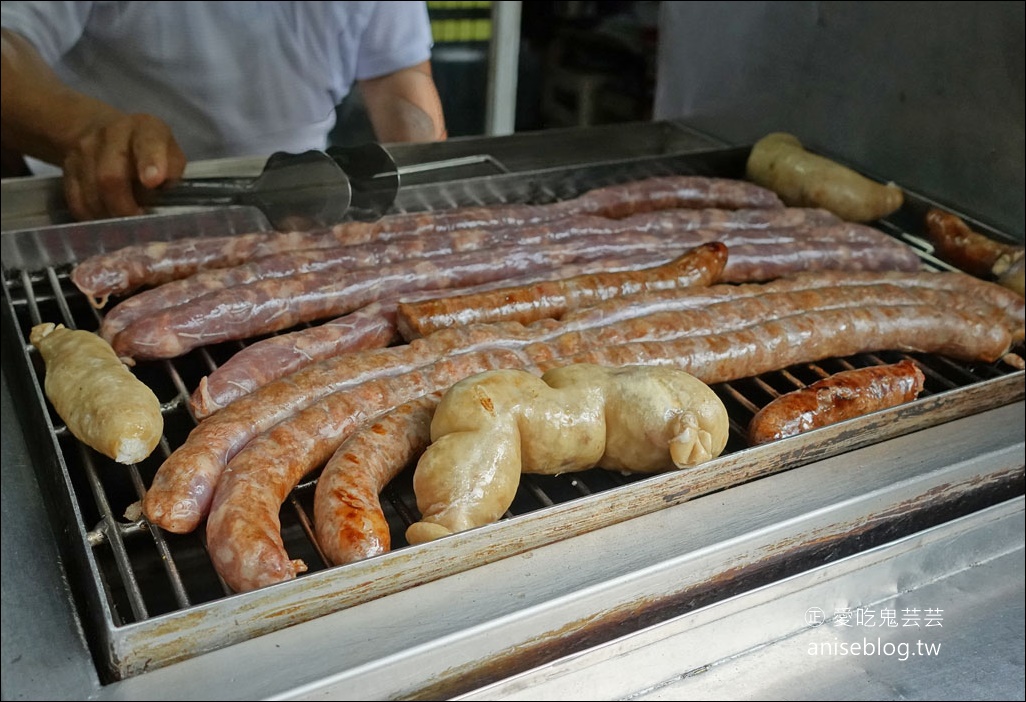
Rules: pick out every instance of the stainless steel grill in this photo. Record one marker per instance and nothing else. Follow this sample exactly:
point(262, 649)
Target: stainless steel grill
point(153, 598)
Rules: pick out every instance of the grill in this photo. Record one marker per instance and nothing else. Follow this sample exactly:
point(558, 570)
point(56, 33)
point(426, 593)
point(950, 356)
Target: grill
point(151, 599)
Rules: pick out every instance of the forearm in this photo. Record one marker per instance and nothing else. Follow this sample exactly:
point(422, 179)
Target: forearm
point(404, 106)
point(40, 116)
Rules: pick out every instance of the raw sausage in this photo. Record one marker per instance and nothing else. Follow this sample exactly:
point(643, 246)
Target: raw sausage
point(132, 267)
point(844, 395)
point(435, 244)
point(348, 518)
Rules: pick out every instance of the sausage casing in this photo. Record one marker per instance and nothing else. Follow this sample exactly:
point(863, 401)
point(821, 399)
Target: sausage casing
point(841, 396)
point(102, 403)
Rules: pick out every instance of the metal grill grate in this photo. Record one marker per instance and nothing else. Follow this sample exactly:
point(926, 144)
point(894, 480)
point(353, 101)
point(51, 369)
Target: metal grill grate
point(140, 575)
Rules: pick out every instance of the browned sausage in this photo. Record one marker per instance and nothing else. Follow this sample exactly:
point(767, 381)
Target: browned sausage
point(700, 266)
point(1012, 307)
point(349, 522)
point(961, 246)
point(844, 395)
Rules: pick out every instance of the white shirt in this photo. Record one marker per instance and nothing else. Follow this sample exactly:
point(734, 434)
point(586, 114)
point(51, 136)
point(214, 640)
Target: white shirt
point(229, 78)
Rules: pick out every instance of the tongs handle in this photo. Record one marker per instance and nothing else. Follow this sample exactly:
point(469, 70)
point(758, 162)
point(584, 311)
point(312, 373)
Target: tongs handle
point(199, 191)
point(294, 191)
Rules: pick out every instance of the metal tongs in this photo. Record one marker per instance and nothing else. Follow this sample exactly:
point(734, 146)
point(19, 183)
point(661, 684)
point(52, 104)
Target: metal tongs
point(302, 191)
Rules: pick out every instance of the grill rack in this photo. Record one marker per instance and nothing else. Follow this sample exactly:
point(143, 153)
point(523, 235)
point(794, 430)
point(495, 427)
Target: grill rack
point(146, 588)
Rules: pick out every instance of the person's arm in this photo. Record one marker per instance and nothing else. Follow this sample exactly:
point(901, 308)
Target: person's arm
point(404, 106)
point(104, 152)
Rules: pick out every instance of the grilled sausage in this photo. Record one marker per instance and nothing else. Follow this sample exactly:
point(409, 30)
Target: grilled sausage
point(1012, 308)
point(961, 246)
point(179, 498)
point(102, 403)
point(348, 518)
point(844, 395)
point(700, 266)
point(243, 529)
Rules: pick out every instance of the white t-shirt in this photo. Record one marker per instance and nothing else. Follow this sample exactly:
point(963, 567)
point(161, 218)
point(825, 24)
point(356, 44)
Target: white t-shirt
point(230, 78)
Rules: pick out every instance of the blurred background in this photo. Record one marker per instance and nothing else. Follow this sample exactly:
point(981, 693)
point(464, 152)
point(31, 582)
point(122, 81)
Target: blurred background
point(577, 64)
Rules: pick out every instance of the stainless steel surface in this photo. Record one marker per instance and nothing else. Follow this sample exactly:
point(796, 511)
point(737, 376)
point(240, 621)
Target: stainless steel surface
point(460, 614)
point(761, 645)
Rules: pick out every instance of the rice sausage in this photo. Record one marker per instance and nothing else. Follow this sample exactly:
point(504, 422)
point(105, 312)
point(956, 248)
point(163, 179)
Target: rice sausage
point(243, 530)
point(102, 403)
point(844, 395)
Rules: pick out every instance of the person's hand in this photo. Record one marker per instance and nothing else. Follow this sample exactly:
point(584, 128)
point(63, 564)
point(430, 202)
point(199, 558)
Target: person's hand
point(108, 164)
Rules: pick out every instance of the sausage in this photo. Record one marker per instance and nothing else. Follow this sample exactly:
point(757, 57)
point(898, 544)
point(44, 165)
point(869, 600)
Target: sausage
point(372, 326)
point(733, 313)
point(270, 305)
point(493, 426)
point(348, 518)
point(699, 266)
point(1011, 307)
point(779, 162)
point(665, 192)
point(179, 497)
point(102, 403)
point(243, 529)
point(965, 248)
point(844, 395)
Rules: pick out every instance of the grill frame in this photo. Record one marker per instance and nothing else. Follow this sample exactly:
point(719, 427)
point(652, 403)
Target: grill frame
point(131, 647)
